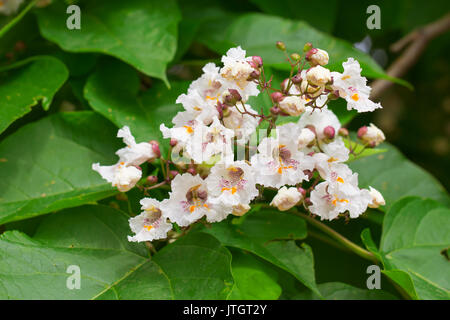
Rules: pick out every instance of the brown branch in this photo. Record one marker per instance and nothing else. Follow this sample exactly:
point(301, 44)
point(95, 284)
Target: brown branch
point(413, 44)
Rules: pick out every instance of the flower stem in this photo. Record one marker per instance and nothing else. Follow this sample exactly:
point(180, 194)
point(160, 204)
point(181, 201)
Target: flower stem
point(14, 21)
point(340, 238)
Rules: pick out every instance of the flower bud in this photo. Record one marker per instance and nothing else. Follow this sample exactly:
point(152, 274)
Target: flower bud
point(308, 46)
point(292, 105)
point(308, 173)
point(377, 198)
point(283, 85)
point(308, 201)
point(151, 179)
point(302, 191)
point(333, 95)
point(318, 76)
point(232, 97)
point(155, 148)
point(192, 171)
point(305, 138)
point(297, 78)
point(240, 209)
point(258, 61)
point(286, 198)
point(343, 132)
point(254, 75)
point(277, 96)
point(173, 173)
point(371, 135)
point(280, 45)
point(275, 110)
point(295, 56)
point(317, 57)
point(329, 132)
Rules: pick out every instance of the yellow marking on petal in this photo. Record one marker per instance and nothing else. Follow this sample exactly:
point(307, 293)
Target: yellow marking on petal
point(339, 179)
point(189, 129)
point(122, 163)
point(197, 108)
point(332, 159)
point(148, 227)
point(211, 98)
point(191, 209)
point(345, 77)
point(206, 206)
point(355, 97)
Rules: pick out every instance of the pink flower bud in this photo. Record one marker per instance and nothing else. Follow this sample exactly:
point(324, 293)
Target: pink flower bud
point(275, 110)
point(343, 132)
point(329, 132)
point(277, 96)
point(280, 45)
point(192, 171)
point(173, 142)
point(308, 46)
point(254, 75)
point(302, 191)
point(310, 53)
point(258, 61)
point(155, 148)
point(362, 131)
point(308, 201)
point(173, 173)
point(151, 179)
point(297, 79)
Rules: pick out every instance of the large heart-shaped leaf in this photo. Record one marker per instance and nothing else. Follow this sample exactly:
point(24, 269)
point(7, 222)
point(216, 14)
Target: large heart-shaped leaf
point(46, 166)
point(141, 33)
point(257, 33)
point(266, 235)
point(413, 247)
point(397, 177)
point(94, 239)
point(26, 83)
point(119, 100)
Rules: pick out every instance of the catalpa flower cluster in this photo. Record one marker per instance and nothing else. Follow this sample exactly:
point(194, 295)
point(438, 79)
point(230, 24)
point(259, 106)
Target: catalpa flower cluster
point(302, 162)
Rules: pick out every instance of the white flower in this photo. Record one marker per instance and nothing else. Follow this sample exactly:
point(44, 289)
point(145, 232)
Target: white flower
point(151, 224)
point(134, 153)
point(305, 138)
point(286, 198)
point(339, 193)
point(353, 88)
point(319, 119)
point(371, 135)
point(197, 108)
point(236, 66)
point(211, 141)
point(280, 163)
point(293, 105)
point(120, 175)
point(8, 7)
point(377, 198)
point(232, 184)
point(244, 125)
point(320, 57)
point(318, 75)
point(292, 131)
point(334, 153)
point(189, 201)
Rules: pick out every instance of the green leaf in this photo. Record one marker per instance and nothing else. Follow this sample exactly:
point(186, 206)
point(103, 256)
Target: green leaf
point(257, 33)
point(343, 291)
point(415, 233)
point(396, 177)
point(141, 33)
point(197, 266)
point(260, 232)
point(26, 83)
point(90, 237)
point(253, 279)
point(46, 165)
point(119, 100)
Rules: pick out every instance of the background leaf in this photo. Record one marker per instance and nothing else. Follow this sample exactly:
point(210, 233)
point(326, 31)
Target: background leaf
point(143, 34)
point(26, 83)
point(46, 166)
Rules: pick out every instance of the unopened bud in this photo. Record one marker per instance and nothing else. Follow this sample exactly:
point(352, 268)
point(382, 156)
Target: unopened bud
point(231, 97)
point(277, 96)
point(295, 56)
point(377, 198)
point(173, 173)
point(362, 131)
point(308, 46)
point(280, 45)
point(371, 135)
point(254, 75)
point(192, 171)
point(155, 148)
point(329, 132)
point(343, 132)
point(308, 201)
point(240, 209)
point(173, 142)
point(151, 179)
point(317, 57)
point(333, 95)
point(258, 61)
point(284, 84)
point(297, 78)
point(302, 191)
point(275, 110)
point(286, 198)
